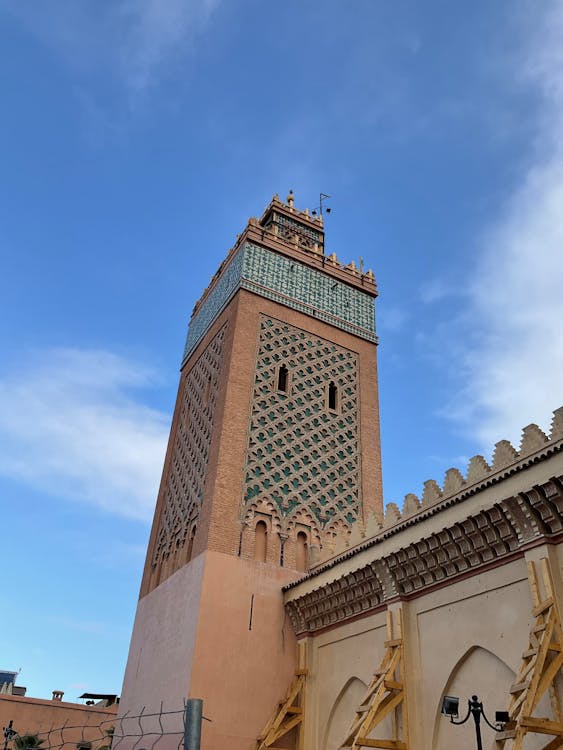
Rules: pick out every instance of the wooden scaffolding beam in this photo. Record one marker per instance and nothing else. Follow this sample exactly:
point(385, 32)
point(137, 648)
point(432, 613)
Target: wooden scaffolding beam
point(385, 696)
point(541, 663)
point(290, 712)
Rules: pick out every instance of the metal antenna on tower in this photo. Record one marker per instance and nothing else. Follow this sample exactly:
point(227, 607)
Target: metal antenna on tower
point(319, 209)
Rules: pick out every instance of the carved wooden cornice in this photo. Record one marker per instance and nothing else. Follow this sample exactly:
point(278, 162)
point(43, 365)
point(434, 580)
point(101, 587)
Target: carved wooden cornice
point(480, 540)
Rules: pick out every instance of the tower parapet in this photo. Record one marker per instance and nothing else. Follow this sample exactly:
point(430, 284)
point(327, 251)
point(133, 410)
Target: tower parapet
point(281, 257)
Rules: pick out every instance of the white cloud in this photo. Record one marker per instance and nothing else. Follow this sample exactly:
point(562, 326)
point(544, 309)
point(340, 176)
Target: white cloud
point(515, 366)
point(70, 426)
point(435, 290)
point(135, 40)
point(158, 31)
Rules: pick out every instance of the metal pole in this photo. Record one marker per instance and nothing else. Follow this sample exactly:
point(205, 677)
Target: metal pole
point(476, 708)
point(192, 725)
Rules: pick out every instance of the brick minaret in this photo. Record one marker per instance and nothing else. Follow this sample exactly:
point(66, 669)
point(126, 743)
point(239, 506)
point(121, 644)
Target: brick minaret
point(274, 450)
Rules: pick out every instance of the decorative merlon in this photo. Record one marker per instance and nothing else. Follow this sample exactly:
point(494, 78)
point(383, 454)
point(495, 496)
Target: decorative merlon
point(505, 460)
point(505, 456)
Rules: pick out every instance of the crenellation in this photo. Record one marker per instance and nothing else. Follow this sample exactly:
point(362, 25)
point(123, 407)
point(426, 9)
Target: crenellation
point(411, 504)
point(373, 525)
point(357, 534)
point(533, 439)
point(477, 470)
point(453, 482)
point(556, 431)
point(392, 515)
point(431, 493)
point(504, 455)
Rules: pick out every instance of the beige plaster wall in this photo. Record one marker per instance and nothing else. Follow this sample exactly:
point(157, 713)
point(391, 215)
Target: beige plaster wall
point(459, 639)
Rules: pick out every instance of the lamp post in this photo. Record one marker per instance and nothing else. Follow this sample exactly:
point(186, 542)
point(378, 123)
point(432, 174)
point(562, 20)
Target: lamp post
point(450, 706)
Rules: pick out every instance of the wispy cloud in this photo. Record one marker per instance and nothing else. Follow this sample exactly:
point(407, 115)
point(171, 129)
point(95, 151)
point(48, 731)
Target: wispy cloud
point(435, 290)
point(136, 41)
point(514, 367)
point(70, 425)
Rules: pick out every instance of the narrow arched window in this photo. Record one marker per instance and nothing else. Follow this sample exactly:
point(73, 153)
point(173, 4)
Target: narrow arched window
point(190, 550)
point(283, 376)
point(260, 541)
point(332, 396)
point(301, 552)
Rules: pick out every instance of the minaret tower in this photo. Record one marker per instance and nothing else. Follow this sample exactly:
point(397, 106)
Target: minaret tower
point(273, 451)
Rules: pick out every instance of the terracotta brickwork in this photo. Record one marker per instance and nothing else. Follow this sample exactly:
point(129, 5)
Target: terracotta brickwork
point(184, 480)
point(231, 528)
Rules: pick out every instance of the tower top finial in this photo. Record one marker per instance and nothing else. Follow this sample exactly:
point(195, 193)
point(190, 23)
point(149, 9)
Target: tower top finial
point(290, 199)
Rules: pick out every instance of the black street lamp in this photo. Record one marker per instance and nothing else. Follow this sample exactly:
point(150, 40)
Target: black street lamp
point(450, 706)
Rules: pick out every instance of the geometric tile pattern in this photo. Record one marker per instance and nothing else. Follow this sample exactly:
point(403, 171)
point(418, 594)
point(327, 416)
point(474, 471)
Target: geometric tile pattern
point(290, 283)
point(183, 491)
point(301, 454)
point(227, 284)
point(288, 227)
point(313, 292)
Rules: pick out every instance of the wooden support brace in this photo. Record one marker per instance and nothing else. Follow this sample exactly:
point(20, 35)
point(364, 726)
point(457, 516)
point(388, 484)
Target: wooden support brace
point(385, 694)
point(542, 661)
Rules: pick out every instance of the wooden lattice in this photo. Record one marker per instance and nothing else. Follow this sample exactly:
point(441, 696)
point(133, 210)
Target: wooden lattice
point(541, 664)
point(290, 712)
point(386, 695)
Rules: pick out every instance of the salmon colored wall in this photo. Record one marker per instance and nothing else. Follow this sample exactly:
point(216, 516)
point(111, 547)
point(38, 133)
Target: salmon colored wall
point(35, 716)
point(192, 639)
point(241, 669)
point(160, 655)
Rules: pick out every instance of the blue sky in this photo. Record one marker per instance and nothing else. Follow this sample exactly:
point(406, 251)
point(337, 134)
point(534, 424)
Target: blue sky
point(137, 137)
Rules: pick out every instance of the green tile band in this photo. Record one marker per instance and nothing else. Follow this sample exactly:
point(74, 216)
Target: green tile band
point(289, 283)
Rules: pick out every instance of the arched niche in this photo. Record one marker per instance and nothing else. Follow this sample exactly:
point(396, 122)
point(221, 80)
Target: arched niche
point(260, 541)
point(301, 551)
point(342, 712)
point(478, 672)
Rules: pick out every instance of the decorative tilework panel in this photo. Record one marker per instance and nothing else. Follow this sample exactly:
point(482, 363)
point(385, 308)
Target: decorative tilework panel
point(285, 221)
point(216, 301)
point(299, 283)
point(288, 228)
point(302, 455)
point(290, 283)
point(184, 482)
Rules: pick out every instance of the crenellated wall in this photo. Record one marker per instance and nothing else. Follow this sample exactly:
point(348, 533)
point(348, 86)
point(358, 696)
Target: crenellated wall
point(506, 461)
